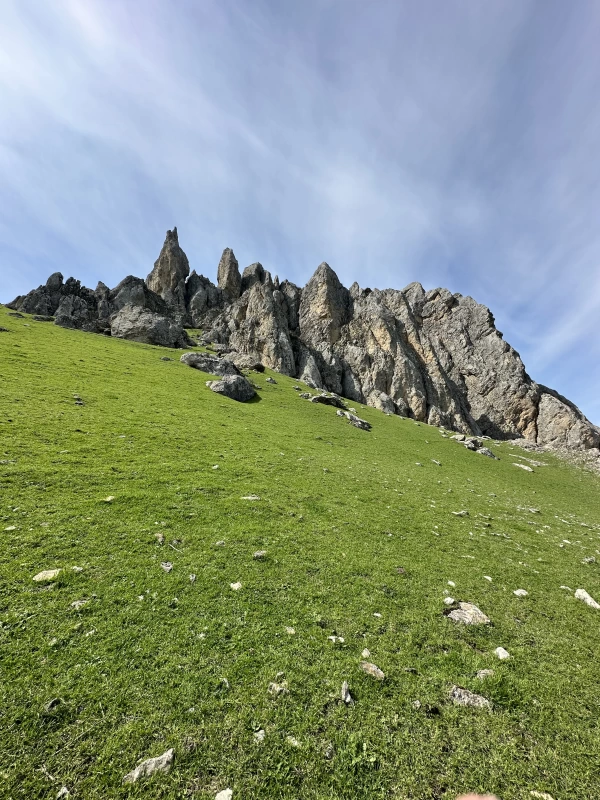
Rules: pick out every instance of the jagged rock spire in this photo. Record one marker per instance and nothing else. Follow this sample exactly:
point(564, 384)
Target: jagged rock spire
point(228, 275)
point(170, 271)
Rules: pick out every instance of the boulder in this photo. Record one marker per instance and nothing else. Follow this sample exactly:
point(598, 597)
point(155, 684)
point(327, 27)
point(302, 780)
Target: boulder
point(235, 387)
point(328, 400)
point(209, 364)
point(141, 325)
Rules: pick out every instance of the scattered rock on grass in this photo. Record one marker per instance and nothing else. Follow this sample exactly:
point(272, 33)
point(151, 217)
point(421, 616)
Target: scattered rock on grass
point(150, 766)
point(541, 795)
point(463, 513)
point(520, 593)
point(485, 451)
point(290, 631)
point(259, 555)
point(226, 794)
point(468, 614)
point(259, 736)
point(77, 604)
point(236, 387)
point(463, 697)
point(336, 639)
point(482, 674)
point(346, 696)
point(251, 497)
point(501, 653)
point(166, 565)
point(236, 586)
point(366, 653)
point(581, 594)
point(62, 793)
point(522, 466)
point(108, 499)
point(47, 575)
point(372, 670)
point(277, 689)
point(449, 601)
point(271, 380)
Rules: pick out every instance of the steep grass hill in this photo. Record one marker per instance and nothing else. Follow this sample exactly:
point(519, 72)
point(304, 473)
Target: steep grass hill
point(360, 544)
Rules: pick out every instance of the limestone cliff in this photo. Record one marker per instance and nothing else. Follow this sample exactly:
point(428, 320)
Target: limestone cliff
point(434, 356)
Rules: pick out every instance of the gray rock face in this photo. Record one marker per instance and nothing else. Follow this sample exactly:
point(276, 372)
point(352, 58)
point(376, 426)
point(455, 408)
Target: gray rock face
point(235, 387)
point(169, 275)
point(210, 364)
point(434, 356)
point(142, 325)
point(229, 279)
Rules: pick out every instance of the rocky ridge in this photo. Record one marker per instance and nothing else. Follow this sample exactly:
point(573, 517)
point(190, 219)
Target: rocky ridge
point(434, 356)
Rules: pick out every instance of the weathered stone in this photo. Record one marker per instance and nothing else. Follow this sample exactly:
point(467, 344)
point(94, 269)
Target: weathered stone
point(225, 794)
point(209, 364)
point(346, 696)
point(168, 277)
point(468, 614)
point(372, 670)
point(520, 593)
point(501, 653)
point(140, 325)
point(47, 575)
point(482, 674)
point(161, 763)
point(463, 697)
point(522, 466)
point(229, 279)
point(328, 400)
point(582, 595)
point(236, 387)
point(485, 451)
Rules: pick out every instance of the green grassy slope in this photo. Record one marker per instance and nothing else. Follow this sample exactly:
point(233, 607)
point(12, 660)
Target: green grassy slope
point(352, 527)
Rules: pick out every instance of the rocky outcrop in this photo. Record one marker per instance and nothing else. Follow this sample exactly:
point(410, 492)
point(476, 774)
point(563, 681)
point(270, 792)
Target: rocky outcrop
point(434, 356)
point(229, 279)
point(142, 325)
point(168, 278)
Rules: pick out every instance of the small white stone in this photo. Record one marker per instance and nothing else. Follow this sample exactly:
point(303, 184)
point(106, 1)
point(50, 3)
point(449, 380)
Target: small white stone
point(77, 604)
point(290, 631)
point(541, 795)
point(108, 499)
point(449, 601)
point(568, 588)
point(366, 653)
point(291, 740)
point(376, 614)
point(463, 697)
point(216, 466)
point(336, 639)
point(226, 794)
point(77, 569)
point(11, 528)
point(62, 793)
point(520, 593)
point(192, 577)
point(482, 674)
point(372, 670)
point(452, 584)
point(166, 565)
point(468, 614)
point(259, 736)
point(501, 653)
point(235, 586)
point(251, 497)
point(487, 577)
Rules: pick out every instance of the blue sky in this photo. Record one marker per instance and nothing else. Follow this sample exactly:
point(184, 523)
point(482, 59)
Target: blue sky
point(454, 143)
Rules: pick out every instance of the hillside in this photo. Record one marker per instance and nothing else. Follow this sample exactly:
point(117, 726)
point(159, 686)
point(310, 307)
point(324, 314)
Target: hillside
point(434, 356)
point(361, 538)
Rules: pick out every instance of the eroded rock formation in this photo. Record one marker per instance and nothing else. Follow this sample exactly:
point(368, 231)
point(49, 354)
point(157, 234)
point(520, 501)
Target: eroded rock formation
point(434, 356)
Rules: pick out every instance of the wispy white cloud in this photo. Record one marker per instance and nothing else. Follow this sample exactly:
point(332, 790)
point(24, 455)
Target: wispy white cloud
point(448, 143)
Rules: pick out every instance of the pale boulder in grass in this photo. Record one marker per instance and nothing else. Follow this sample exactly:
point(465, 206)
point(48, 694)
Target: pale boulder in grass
point(582, 595)
point(501, 653)
point(47, 575)
point(463, 697)
point(226, 794)
point(372, 670)
point(468, 614)
point(150, 766)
